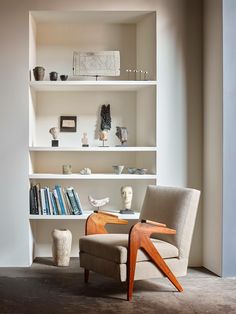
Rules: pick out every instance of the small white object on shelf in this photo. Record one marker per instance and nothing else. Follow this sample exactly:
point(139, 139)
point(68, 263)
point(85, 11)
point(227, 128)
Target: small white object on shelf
point(98, 203)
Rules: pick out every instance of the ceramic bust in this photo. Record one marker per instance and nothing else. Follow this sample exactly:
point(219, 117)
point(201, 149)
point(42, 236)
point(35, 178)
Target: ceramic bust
point(127, 196)
point(55, 132)
point(84, 140)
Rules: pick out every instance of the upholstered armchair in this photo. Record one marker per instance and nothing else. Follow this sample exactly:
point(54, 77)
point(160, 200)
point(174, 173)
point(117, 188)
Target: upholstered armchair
point(158, 245)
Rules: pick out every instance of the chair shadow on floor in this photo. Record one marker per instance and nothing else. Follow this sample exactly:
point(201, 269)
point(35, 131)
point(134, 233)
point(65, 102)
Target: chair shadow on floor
point(71, 281)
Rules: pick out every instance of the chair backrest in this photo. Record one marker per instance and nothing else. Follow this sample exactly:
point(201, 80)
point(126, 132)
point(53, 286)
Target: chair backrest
point(177, 208)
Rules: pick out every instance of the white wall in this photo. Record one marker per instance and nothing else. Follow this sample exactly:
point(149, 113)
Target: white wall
point(213, 130)
point(229, 144)
point(172, 77)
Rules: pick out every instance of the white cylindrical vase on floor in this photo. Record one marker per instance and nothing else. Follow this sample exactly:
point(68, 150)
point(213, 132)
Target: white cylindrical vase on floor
point(61, 246)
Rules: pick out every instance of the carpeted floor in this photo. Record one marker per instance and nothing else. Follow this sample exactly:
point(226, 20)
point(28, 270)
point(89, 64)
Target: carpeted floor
point(44, 288)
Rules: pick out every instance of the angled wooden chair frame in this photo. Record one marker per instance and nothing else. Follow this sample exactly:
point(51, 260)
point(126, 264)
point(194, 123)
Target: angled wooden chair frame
point(139, 238)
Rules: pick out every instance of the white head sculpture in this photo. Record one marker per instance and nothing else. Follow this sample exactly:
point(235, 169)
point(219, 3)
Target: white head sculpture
point(127, 195)
point(54, 132)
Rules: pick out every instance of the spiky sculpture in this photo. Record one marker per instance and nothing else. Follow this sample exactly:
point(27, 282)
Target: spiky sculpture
point(105, 118)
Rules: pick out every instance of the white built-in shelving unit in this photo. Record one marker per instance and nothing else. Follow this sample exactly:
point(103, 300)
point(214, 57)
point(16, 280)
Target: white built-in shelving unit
point(53, 38)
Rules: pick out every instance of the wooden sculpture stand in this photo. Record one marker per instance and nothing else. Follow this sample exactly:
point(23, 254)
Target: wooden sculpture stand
point(139, 237)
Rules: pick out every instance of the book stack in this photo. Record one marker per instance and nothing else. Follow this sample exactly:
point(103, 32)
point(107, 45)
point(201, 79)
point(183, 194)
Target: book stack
point(58, 201)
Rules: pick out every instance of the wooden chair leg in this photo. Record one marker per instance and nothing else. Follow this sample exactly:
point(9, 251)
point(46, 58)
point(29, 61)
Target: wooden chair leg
point(160, 263)
point(131, 271)
point(86, 275)
point(131, 265)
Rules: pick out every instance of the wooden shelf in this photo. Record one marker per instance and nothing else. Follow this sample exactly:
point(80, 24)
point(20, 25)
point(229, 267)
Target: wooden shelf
point(100, 176)
point(135, 216)
point(90, 85)
point(92, 149)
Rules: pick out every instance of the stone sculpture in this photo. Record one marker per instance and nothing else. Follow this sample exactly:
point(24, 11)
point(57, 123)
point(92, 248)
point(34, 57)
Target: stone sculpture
point(122, 134)
point(105, 122)
point(127, 196)
point(98, 203)
point(55, 133)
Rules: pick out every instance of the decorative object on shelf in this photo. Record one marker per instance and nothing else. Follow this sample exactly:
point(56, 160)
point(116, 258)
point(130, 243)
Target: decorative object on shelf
point(118, 169)
point(63, 77)
point(86, 171)
point(53, 76)
point(141, 171)
point(105, 123)
point(68, 123)
point(127, 196)
point(61, 246)
point(131, 170)
point(137, 170)
point(55, 133)
point(98, 203)
point(67, 169)
point(84, 140)
point(128, 71)
point(135, 74)
point(138, 75)
point(39, 73)
point(145, 75)
point(99, 63)
point(122, 134)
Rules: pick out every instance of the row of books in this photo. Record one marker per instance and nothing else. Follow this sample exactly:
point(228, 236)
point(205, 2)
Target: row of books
point(58, 201)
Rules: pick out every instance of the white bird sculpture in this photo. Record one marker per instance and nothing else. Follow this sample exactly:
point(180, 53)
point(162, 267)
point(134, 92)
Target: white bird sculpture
point(98, 203)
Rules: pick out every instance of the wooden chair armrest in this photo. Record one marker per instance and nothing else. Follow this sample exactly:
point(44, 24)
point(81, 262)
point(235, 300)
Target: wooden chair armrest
point(147, 228)
point(95, 223)
point(104, 213)
point(151, 222)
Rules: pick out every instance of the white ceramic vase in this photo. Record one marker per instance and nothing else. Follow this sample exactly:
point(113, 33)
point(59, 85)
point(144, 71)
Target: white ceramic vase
point(61, 246)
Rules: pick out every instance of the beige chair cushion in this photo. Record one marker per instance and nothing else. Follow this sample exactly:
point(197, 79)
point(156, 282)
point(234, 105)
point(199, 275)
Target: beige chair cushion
point(113, 247)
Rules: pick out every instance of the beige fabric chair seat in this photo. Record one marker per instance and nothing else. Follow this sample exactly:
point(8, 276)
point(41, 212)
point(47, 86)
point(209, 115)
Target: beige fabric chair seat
point(113, 247)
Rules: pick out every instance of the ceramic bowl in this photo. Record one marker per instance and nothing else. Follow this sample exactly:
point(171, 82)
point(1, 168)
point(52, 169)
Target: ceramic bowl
point(141, 171)
point(131, 170)
point(63, 77)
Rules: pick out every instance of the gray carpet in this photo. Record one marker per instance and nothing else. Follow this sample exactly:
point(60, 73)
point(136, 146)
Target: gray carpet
point(44, 288)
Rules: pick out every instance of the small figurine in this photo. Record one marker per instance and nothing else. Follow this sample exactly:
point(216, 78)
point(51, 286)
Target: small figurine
point(55, 133)
point(66, 169)
point(85, 171)
point(105, 123)
point(84, 140)
point(127, 196)
point(98, 203)
point(122, 134)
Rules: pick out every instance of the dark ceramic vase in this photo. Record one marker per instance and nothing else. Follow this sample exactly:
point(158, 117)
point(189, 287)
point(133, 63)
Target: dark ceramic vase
point(53, 76)
point(39, 73)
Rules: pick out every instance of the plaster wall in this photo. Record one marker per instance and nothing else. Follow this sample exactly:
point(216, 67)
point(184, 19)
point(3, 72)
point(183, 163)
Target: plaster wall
point(179, 107)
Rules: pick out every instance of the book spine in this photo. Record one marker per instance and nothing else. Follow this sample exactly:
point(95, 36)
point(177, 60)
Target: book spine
point(39, 199)
point(77, 199)
point(58, 189)
point(46, 201)
point(49, 201)
point(53, 203)
point(67, 202)
point(70, 194)
point(32, 204)
point(35, 200)
point(57, 201)
point(43, 201)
